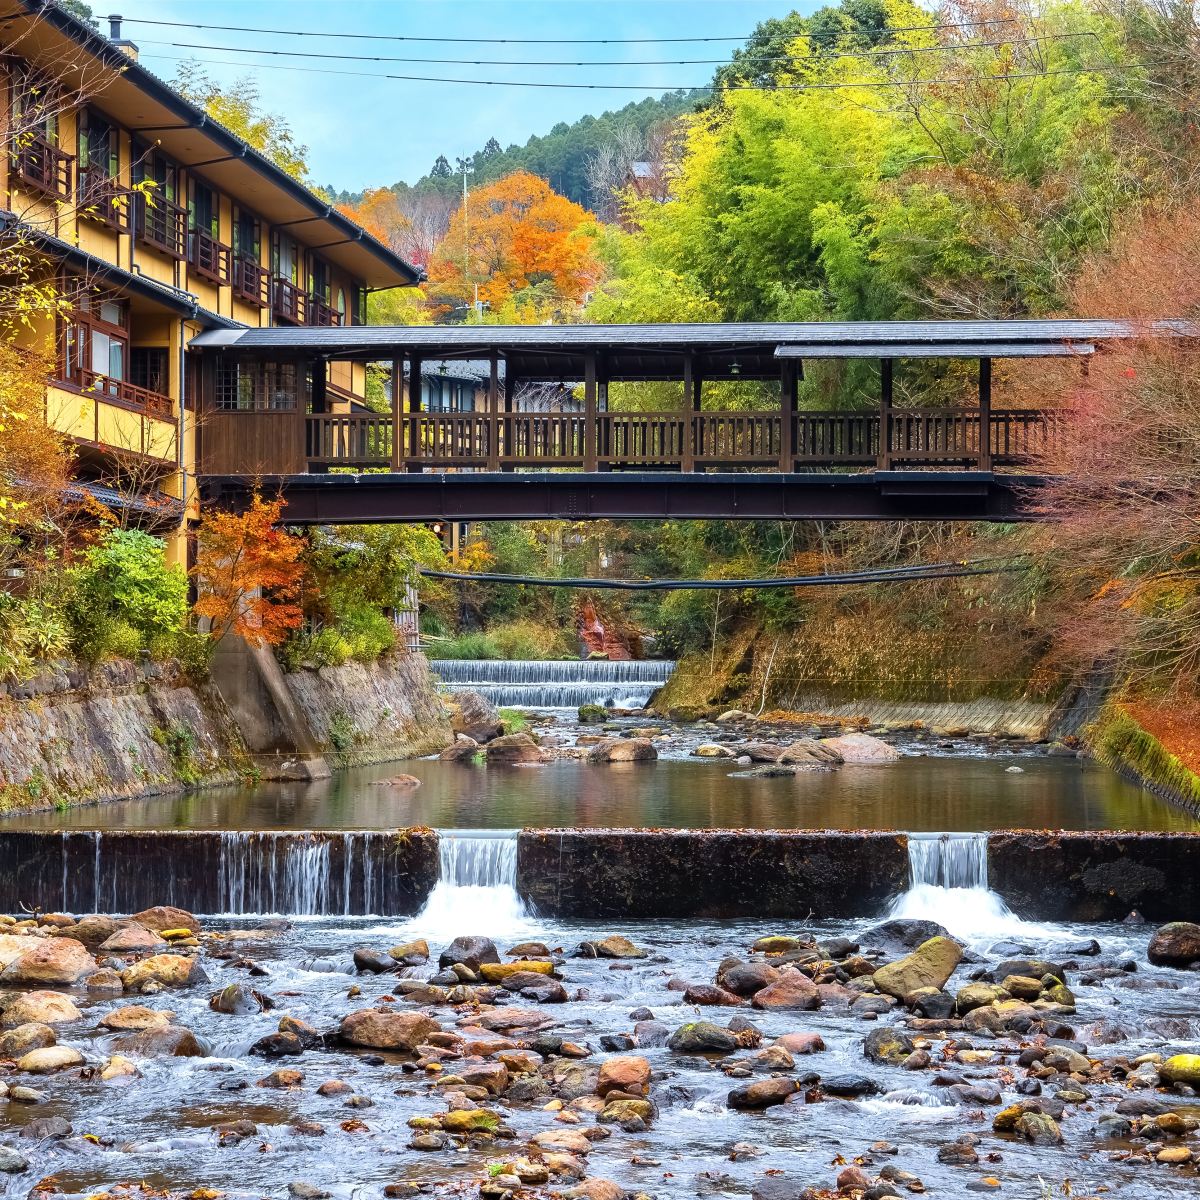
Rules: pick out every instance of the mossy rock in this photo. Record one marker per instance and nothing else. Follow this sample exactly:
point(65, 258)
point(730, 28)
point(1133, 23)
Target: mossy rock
point(592, 714)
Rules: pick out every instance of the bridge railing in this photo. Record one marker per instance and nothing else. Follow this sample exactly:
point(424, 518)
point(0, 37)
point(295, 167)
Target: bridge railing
point(929, 437)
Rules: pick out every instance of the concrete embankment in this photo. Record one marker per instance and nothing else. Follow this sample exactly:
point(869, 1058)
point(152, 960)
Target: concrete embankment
point(612, 874)
point(74, 735)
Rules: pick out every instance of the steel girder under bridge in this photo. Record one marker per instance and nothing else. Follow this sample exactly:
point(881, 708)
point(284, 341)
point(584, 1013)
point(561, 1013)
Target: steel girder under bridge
point(337, 499)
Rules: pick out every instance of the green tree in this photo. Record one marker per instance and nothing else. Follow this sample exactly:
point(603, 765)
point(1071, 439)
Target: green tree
point(237, 106)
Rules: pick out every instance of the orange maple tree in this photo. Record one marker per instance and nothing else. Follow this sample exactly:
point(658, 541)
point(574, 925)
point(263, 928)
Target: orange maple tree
point(248, 571)
point(382, 215)
point(516, 234)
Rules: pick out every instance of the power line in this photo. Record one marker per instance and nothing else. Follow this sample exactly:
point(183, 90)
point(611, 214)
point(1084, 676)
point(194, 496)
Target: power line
point(848, 85)
point(909, 574)
point(397, 37)
point(867, 55)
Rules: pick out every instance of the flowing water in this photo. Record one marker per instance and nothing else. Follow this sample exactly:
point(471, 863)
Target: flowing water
point(948, 884)
point(927, 793)
point(477, 885)
point(553, 683)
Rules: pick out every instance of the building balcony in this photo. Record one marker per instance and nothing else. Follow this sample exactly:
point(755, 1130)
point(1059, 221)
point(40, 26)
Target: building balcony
point(208, 257)
point(43, 166)
point(321, 312)
point(162, 225)
point(127, 394)
point(251, 282)
point(288, 302)
point(103, 199)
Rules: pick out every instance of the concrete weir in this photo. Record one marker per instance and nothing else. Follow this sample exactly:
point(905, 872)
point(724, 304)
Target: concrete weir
point(593, 874)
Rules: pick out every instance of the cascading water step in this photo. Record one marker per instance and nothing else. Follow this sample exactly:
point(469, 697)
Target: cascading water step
point(948, 884)
point(556, 683)
point(476, 891)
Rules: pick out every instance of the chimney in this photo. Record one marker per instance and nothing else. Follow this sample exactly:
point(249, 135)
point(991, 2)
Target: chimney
point(114, 36)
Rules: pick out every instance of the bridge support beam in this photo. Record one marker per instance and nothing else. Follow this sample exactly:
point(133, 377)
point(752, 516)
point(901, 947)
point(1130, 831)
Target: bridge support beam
point(985, 414)
point(640, 495)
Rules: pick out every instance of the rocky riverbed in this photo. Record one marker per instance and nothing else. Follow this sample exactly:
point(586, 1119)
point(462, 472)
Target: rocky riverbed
point(166, 1053)
point(752, 745)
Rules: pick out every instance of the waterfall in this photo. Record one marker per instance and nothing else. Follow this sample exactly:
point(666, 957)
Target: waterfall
point(555, 683)
point(476, 891)
point(948, 883)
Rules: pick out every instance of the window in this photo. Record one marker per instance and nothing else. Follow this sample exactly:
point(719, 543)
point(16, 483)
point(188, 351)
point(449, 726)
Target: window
point(96, 340)
point(286, 258)
point(148, 368)
point(161, 219)
point(318, 279)
point(32, 138)
point(98, 145)
point(204, 212)
point(247, 235)
point(261, 387)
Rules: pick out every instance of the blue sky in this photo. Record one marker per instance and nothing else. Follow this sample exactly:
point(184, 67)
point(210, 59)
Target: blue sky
point(364, 131)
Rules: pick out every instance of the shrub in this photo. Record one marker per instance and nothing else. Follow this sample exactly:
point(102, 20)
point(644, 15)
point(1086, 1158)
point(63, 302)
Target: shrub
point(368, 632)
point(342, 732)
point(467, 645)
point(123, 595)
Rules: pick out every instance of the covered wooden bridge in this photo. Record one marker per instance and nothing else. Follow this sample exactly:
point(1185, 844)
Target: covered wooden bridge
point(269, 413)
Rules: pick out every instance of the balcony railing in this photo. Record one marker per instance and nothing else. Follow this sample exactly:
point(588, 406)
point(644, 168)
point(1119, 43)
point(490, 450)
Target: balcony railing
point(162, 225)
point(208, 257)
point(126, 393)
point(321, 312)
point(684, 441)
point(42, 165)
point(288, 301)
point(102, 198)
point(250, 281)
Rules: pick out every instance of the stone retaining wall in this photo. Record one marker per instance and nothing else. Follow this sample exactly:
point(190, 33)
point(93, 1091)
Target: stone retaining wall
point(709, 873)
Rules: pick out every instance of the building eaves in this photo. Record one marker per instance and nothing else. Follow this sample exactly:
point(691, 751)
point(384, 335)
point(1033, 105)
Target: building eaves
point(180, 301)
point(95, 43)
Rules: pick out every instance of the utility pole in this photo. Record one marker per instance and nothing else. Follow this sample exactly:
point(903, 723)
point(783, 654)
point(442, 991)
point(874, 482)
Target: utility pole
point(466, 166)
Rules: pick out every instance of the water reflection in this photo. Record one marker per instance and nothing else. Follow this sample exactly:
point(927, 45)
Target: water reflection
point(914, 794)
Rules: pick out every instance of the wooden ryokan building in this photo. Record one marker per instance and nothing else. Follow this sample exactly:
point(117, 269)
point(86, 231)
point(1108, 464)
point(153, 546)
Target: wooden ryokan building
point(156, 224)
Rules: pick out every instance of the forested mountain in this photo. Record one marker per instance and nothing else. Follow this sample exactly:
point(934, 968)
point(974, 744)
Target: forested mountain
point(560, 156)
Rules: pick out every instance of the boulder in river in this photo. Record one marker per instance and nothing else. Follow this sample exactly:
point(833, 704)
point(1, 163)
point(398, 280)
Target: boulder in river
point(702, 1037)
point(1181, 1068)
point(381, 1030)
point(163, 1041)
point(462, 750)
point(1175, 945)
point(166, 917)
point(763, 1093)
point(48, 1008)
point(887, 1045)
point(930, 965)
point(133, 939)
point(49, 1059)
point(808, 752)
point(746, 978)
point(513, 749)
point(169, 970)
point(901, 935)
point(57, 960)
point(469, 951)
point(793, 989)
point(33, 1035)
point(615, 946)
point(629, 1073)
point(135, 1016)
point(619, 750)
point(475, 716)
point(857, 749)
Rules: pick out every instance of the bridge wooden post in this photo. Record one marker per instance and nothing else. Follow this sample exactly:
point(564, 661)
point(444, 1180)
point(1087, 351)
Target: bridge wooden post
point(985, 414)
point(690, 397)
point(493, 457)
point(883, 458)
point(787, 412)
point(397, 463)
point(325, 442)
point(589, 411)
point(415, 384)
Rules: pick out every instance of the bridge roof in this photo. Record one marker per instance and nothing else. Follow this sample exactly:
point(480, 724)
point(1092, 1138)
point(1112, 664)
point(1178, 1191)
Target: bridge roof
point(654, 351)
